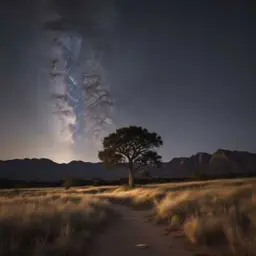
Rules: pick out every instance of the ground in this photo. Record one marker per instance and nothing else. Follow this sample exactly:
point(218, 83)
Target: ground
point(206, 218)
point(133, 229)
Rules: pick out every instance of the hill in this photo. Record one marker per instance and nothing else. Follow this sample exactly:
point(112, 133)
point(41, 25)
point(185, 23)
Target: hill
point(221, 163)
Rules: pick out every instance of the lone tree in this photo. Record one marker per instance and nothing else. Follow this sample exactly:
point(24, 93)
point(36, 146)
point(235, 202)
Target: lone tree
point(132, 147)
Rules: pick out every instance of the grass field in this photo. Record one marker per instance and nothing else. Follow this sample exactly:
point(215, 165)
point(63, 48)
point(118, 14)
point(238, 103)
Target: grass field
point(50, 224)
point(219, 214)
point(213, 213)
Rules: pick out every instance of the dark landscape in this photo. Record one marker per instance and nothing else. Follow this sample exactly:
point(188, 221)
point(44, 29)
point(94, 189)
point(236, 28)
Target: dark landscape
point(44, 172)
point(127, 128)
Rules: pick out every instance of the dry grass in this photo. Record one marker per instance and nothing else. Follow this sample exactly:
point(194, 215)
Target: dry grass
point(138, 198)
point(55, 221)
point(213, 217)
point(51, 224)
point(212, 213)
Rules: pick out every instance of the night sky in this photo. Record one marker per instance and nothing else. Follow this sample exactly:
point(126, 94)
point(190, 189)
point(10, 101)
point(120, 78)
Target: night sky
point(184, 69)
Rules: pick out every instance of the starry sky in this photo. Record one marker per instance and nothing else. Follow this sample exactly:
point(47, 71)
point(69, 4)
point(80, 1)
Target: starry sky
point(184, 69)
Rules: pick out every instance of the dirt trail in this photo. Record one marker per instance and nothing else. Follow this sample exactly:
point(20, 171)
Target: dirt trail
point(133, 229)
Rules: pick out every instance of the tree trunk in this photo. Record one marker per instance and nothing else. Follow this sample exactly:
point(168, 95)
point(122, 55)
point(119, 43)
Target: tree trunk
point(131, 178)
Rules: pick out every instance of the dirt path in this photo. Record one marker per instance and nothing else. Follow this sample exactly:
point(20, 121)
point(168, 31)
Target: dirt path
point(133, 229)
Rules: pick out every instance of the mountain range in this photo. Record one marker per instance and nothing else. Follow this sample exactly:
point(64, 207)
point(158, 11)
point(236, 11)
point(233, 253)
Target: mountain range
point(220, 163)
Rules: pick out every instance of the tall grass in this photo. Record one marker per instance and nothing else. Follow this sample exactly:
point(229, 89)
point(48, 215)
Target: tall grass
point(216, 214)
point(51, 225)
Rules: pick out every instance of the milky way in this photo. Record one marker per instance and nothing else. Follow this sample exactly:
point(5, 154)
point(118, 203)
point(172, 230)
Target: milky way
point(80, 98)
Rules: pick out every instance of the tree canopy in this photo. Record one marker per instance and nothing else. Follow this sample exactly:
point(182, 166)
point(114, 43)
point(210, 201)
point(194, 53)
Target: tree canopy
point(133, 147)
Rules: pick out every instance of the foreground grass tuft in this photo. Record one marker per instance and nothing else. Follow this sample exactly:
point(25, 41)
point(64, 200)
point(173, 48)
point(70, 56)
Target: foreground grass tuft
point(59, 225)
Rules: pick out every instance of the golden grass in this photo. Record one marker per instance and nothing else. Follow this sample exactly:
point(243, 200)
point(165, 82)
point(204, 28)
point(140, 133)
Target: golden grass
point(219, 213)
point(212, 217)
point(212, 213)
point(55, 224)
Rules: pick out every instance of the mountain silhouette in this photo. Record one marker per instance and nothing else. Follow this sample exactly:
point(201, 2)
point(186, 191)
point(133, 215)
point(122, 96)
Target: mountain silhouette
point(221, 163)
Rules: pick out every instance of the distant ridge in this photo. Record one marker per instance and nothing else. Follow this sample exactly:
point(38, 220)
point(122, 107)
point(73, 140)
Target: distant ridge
point(222, 162)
